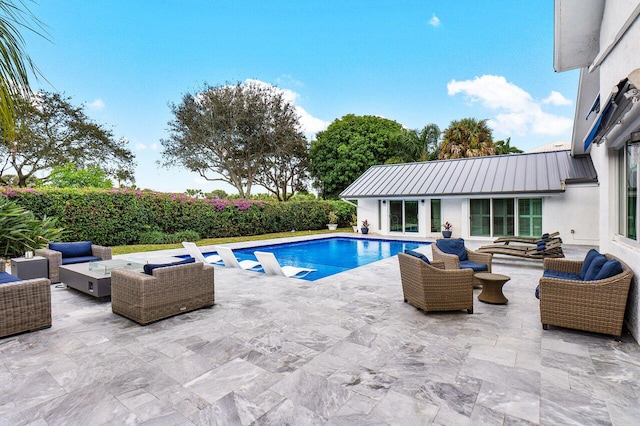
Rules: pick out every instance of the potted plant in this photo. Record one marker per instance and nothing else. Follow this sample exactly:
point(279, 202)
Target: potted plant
point(365, 227)
point(446, 233)
point(354, 222)
point(333, 221)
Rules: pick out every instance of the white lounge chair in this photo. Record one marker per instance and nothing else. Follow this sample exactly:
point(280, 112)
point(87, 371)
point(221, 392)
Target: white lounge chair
point(230, 261)
point(195, 252)
point(272, 267)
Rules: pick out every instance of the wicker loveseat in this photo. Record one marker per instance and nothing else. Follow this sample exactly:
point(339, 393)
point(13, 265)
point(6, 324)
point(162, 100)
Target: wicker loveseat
point(473, 259)
point(25, 305)
point(171, 290)
point(430, 287)
point(597, 306)
point(70, 253)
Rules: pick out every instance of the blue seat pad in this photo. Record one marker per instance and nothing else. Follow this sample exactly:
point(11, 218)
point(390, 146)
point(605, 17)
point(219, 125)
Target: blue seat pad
point(452, 246)
point(6, 277)
point(477, 267)
point(418, 255)
point(550, 273)
point(149, 267)
point(75, 249)
point(80, 259)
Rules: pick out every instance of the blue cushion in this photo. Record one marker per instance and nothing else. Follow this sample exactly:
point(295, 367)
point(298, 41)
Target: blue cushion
point(79, 259)
point(595, 267)
point(550, 273)
point(541, 247)
point(149, 267)
point(452, 246)
point(545, 236)
point(591, 254)
point(538, 292)
point(418, 255)
point(6, 277)
point(609, 269)
point(77, 249)
point(477, 267)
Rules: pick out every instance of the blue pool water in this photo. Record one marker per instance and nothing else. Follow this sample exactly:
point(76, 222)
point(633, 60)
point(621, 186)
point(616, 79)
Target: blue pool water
point(331, 255)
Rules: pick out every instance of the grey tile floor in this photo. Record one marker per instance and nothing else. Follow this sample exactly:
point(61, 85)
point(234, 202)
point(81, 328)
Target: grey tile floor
point(343, 350)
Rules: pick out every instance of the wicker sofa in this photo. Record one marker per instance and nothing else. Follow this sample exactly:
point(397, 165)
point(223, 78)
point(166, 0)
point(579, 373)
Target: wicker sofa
point(451, 261)
point(24, 305)
point(170, 291)
point(597, 306)
point(433, 288)
point(57, 258)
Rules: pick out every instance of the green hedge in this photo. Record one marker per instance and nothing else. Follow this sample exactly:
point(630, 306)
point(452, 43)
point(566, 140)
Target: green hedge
point(119, 217)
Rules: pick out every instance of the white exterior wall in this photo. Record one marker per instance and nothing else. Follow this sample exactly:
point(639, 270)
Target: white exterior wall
point(620, 62)
point(576, 209)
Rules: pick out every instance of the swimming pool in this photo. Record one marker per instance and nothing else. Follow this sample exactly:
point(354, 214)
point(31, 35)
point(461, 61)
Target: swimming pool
point(331, 255)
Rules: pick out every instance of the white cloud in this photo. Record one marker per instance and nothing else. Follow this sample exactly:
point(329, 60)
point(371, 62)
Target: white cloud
point(434, 21)
point(310, 124)
point(97, 104)
point(154, 146)
point(556, 98)
point(141, 146)
point(516, 110)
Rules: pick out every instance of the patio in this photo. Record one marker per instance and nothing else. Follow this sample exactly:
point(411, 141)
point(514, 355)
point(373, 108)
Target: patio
point(342, 350)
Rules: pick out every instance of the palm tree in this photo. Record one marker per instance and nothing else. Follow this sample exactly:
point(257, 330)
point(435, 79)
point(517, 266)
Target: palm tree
point(15, 64)
point(504, 147)
point(467, 138)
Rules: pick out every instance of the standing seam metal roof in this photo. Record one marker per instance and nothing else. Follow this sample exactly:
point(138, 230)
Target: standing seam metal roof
point(541, 172)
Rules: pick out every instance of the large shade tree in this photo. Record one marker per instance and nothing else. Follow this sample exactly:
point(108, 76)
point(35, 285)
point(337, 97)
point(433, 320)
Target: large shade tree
point(467, 137)
point(52, 132)
point(348, 147)
point(15, 63)
point(242, 134)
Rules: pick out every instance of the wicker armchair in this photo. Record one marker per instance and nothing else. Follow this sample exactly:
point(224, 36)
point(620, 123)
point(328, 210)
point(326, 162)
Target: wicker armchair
point(55, 259)
point(432, 288)
point(24, 305)
point(596, 306)
point(170, 291)
point(451, 261)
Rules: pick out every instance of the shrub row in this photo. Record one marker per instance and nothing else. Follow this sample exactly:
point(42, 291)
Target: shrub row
point(119, 217)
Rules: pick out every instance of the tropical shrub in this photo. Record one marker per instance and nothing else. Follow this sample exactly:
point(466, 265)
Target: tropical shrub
point(20, 230)
point(159, 237)
point(122, 216)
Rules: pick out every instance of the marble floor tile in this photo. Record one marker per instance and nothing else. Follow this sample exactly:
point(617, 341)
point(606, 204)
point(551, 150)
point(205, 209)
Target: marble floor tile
point(344, 350)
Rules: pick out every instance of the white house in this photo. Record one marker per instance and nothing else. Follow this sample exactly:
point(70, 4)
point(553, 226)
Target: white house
point(602, 39)
point(483, 197)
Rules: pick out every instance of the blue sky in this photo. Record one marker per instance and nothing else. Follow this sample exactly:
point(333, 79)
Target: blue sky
point(416, 62)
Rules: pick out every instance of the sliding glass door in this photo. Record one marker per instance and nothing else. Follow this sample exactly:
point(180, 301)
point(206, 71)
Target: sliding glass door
point(403, 216)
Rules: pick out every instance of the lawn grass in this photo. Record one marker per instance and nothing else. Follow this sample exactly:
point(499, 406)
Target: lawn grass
point(211, 241)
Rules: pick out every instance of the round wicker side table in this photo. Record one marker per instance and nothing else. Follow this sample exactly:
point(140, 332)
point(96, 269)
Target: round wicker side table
point(492, 287)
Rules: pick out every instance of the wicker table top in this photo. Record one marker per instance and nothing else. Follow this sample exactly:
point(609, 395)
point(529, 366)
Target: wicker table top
point(492, 287)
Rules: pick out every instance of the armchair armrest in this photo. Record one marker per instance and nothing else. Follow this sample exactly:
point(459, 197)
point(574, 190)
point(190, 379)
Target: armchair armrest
point(478, 257)
point(563, 265)
point(451, 261)
point(102, 252)
point(55, 260)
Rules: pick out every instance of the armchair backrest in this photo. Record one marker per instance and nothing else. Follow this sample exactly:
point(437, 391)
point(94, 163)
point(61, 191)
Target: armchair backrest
point(452, 246)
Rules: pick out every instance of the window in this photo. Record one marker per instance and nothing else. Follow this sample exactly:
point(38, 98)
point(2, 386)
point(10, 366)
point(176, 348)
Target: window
point(530, 217)
point(503, 218)
point(436, 216)
point(403, 216)
point(480, 217)
point(628, 199)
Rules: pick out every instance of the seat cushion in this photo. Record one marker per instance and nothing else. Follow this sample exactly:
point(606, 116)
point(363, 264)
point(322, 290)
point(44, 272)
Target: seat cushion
point(550, 273)
point(149, 267)
point(79, 259)
point(591, 254)
point(418, 255)
point(6, 277)
point(610, 269)
point(452, 246)
point(595, 267)
point(477, 267)
point(76, 249)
